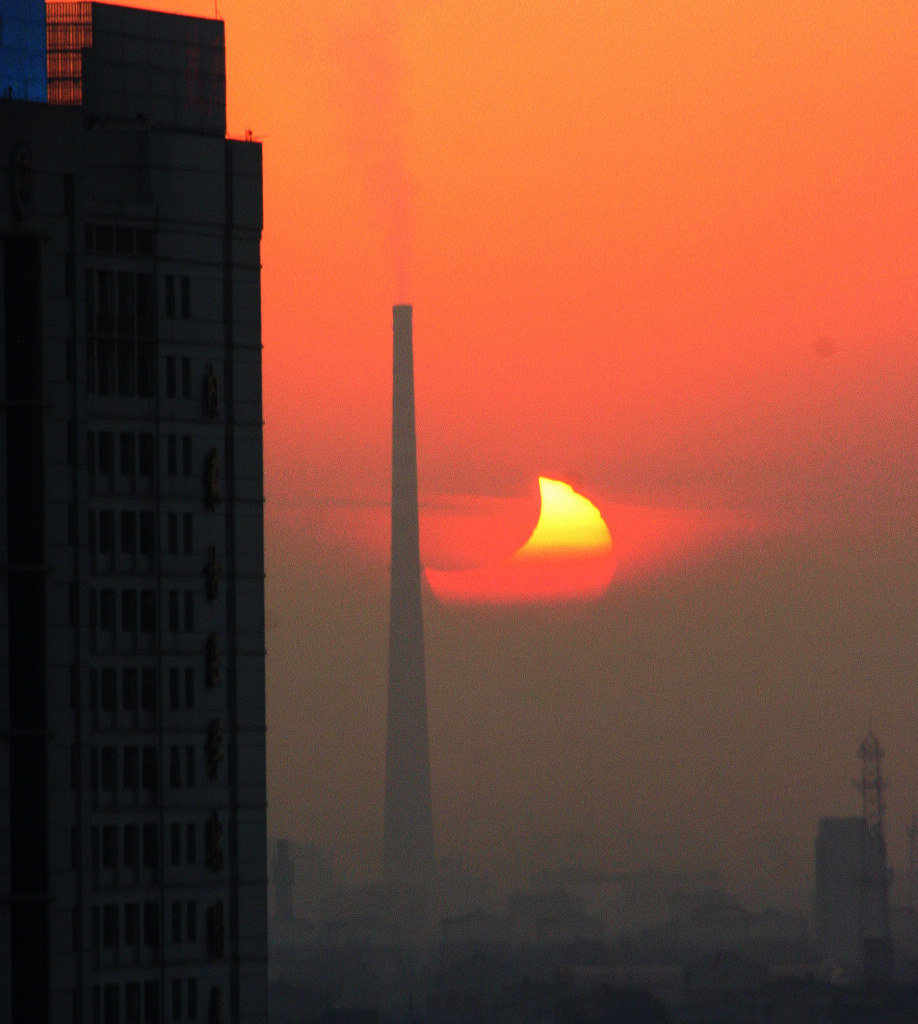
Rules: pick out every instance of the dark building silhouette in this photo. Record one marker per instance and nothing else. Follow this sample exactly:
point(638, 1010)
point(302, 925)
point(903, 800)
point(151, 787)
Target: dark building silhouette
point(408, 847)
point(851, 900)
point(132, 720)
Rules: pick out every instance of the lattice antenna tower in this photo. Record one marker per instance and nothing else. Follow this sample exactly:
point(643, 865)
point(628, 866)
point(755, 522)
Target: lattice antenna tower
point(871, 783)
point(874, 876)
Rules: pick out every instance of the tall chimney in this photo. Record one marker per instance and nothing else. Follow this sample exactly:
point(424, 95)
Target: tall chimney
point(408, 847)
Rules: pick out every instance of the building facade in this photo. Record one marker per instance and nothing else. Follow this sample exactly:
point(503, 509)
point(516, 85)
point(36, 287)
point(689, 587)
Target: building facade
point(132, 720)
point(850, 918)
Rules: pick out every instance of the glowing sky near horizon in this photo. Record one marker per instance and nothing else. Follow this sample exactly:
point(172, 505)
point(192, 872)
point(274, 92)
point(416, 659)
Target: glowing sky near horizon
point(663, 251)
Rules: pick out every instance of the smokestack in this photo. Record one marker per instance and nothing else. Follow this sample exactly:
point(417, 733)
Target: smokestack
point(408, 848)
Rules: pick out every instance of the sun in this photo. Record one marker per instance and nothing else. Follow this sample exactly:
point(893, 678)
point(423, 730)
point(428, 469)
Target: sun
point(567, 557)
point(569, 523)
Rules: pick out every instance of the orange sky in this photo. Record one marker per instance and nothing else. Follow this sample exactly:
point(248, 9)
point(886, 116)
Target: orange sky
point(625, 229)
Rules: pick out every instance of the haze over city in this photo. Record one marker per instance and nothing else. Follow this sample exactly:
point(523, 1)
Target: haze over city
point(664, 253)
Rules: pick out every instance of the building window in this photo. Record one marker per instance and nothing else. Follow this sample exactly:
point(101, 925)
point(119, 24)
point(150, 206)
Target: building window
point(145, 455)
point(148, 690)
point(109, 847)
point(132, 996)
point(106, 452)
point(189, 766)
point(110, 926)
point(186, 377)
point(105, 301)
point(110, 1001)
point(148, 611)
point(176, 925)
point(109, 768)
point(131, 846)
point(174, 610)
point(192, 995)
point(175, 768)
point(151, 1002)
point(150, 846)
point(147, 534)
point(177, 993)
point(189, 611)
point(186, 298)
point(186, 455)
point(106, 533)
point(148, 777)
point(107, 609)
point(170, 377)
point(151, 924)
point(191, 846)
point(127, 377)
point(188, 527)
point(189, 688)
point(172, 455)
point(107, 694)
point(174, 689)
point(127, 443)
point(175, 847)
point(129, 689)
point(128, 532)
point(169, 289)
point(145, 304)
point(131, 768)
point(172, 533)
point(124, 241)
point(105, 348)
point(129, 611)
point(146, 368)
point(132, 925)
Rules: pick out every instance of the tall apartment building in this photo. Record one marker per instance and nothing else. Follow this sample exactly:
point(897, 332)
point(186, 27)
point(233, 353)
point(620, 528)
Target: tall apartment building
point(132, 722)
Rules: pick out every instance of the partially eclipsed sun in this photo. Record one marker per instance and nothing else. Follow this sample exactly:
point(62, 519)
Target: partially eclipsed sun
point(568, 556)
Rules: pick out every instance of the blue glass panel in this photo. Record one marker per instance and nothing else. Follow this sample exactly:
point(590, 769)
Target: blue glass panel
point(23, 60)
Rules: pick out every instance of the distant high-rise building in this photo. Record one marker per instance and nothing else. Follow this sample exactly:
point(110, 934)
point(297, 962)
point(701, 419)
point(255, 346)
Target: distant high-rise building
point(132, 720)
point(840, 847)
point(850, 906)
point(408, 846)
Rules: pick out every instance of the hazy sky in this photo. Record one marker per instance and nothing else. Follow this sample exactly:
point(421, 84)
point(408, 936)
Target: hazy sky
point(667, 252)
